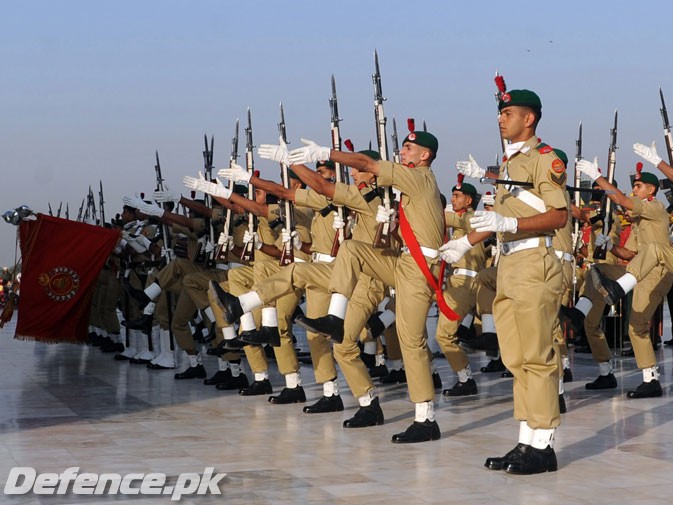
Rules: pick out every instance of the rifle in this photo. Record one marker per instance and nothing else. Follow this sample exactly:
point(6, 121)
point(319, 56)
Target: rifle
point(58, 212)
point(577, 180)
point(600, 253)
point(287, 256)
point(502, 90)
point(341, 174)
point(222, 250)
point(249, 247)
point(396, 144)
point(81, 210)
point(101, 203)
point(667, 128)
point(67, 210)
point(50, 212)
point(166, 258)
point(208, 200)
point(524, 184)
point(382, 237)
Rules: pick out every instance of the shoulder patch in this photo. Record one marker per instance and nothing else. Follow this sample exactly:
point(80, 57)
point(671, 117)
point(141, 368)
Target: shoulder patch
point(558, 179)
point(558, 166)
point(544, 148)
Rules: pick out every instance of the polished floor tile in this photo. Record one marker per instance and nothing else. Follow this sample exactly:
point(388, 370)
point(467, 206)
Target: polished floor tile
point(64, 405)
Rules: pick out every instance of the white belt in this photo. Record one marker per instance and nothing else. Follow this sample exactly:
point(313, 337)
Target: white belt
point(322, 258)
point(464, 271)
point(228, 266)
point(523, 244)
point(427, 252)
point(564, 256)
point(299, 260)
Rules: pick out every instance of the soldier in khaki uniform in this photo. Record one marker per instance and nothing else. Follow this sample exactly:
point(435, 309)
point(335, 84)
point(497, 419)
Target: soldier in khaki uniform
point(649, 234)
point(421, 215)
point(530, 280)
point(461, 289)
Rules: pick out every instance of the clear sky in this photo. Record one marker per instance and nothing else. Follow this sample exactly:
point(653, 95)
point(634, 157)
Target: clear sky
point(90, 89)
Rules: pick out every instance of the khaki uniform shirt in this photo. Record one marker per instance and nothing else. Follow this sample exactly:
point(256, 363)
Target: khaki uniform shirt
point(650, 224)
point(322, 232)
point(459, 223)
point(365, 225)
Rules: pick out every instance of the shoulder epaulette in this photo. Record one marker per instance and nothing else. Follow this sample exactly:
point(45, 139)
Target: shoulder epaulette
point(544, 148)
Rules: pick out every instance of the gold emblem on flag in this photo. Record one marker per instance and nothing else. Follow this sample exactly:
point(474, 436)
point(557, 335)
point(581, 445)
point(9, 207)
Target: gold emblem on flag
point(60, 283)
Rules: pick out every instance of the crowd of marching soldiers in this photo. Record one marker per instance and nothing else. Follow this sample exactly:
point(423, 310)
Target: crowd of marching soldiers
point(225, 283)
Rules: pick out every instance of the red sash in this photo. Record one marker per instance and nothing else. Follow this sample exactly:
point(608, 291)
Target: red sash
point(417, 254)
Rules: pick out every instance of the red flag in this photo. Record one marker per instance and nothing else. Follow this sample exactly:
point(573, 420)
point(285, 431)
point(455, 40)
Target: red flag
point(61, 260)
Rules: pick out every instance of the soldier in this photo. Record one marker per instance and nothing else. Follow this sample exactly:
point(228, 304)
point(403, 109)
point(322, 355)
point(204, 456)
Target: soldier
point(649, 236)
point(529, 283)
point(422, 226)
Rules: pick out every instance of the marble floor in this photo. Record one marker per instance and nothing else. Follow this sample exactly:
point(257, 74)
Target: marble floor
point(64, 405)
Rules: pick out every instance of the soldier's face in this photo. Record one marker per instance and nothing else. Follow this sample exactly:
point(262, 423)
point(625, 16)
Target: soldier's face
point(413, 154)
point(460, 201)
point(515, 123)
point(326, 173)
point(642, 190)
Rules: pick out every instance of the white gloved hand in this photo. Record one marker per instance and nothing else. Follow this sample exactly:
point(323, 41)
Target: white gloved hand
point(166, 195)
point(286, 236)
point(277, 153)
point(235, 173)
point(167, 253)
point(488, 199)
point(338, 223)
point(492, 221)
point(453, 250)
point(311, 153)
point(383, 215)
point(448, 208)
point(148, 209)
point(649, 154)
point(603, 240)
point(589, 168)
point(470, 168)
point(252, 237)
point(209, 247)
point(216, 188)
point(225, 241)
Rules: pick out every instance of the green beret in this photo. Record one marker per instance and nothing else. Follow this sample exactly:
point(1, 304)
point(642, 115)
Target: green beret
point(562, 156)
point(375, 155)
point(326, 163)
point(423, 139)
point(466, 188)
point(520, 97)
point(648, 178)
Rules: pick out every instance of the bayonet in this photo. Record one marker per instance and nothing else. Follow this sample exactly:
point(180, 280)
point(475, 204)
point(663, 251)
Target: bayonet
point(606, 206)
point(668, 137)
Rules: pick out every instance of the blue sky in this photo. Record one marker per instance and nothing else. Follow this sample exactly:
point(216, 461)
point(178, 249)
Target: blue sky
point(91, 89)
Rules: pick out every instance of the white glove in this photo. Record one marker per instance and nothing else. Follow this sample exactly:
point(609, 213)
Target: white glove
point(252, 237)
point(470, 168)
point(338, 223)
point(603, 240)
point(225, 241)
point(649, 154)
point(492, 221)
point(146, 208)
point(448, 208)
point(216, 188)
point(453, 250)
point(277, 153)
point(167, 253)
point(488, 199)
point(165, 196)
point(589, 168)
point(138, 244)
point(286, 236)
point(383, 215)
point(309, 154)
point(235, 173)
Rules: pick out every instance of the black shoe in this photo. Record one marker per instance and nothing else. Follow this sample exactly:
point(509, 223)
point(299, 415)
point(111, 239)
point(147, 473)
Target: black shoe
point(204, 337)
point(372, 415)
point(603, 382)
point(668, 342)
point(229, 304)
point(289, 395)
point(121, 357)
point(436, 380)
point(234, 344)
point(137, 294)
point(462, 389)
point(114, 347)
point(628, 352)
point(611, 290)
point(418, 432)
point(375, 325)
point(574, 317)
point(562, 404)
point(485, 342)
point(219, 377)
point(155, 366)
point(143, 323)
point(534, 461)
point(368, 359)
point(329, 325)
point(378, 371)
point(215, 351)
point(325, 404)
point(495, 365)
point(650, 389)
point(465, 333)
point(265, 335)
point(137, 361)
point(395, 377)
point(567, 375)
point(234, 383)
point(262, 387)
point(500, 463)
point(507, 374)
point(193, 372)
